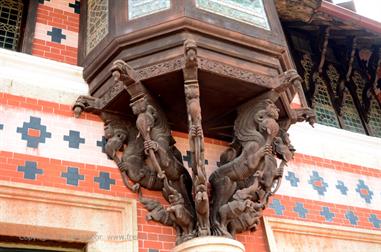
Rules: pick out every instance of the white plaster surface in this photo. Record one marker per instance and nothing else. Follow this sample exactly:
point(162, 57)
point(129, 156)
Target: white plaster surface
point(34, 77)
point(336, 144)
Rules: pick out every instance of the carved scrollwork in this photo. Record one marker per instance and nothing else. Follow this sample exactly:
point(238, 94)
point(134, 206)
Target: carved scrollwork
point(234, 72)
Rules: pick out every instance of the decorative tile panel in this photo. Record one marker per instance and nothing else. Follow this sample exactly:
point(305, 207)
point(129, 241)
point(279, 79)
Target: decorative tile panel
point(277, 206)
point(333, 186)
point(375, 221)
point(247, 11)
point(141, 8)
point(33, 132)
point(327, 214)
point(300, 210)
point(364, 191)
point(318, 183)
point(341, 187)
point(76, 6)
point(352, 217)
point(292, 178)
point(30, 170)
point(72, 176)
point(97, 22)
point(104, 180)
point(74, 138)
point(56, 35)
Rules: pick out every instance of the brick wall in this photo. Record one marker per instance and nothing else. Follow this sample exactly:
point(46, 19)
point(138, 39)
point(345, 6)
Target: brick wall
point(46, 146)
point(334, 178)
point(57, 27)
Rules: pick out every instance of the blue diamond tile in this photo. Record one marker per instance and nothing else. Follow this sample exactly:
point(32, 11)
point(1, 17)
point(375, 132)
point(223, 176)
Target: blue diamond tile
point(293, 179)
point(277, 206)
point(74, 139)
point(104, 180)
point(318, 183)
point(375, 221)
point(341, 187)
point(56, 34)
point(299, 208)
point(328, 215)
point(364, 191)
point(30, 170)
point(353, 219)
point(34, 124)
point(72, 176)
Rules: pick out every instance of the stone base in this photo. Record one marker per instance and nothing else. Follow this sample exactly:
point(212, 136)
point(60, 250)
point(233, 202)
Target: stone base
point(210, 244)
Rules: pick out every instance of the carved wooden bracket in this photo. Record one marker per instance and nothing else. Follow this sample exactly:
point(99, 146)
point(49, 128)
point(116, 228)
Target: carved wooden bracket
point(248, 174)
point(340, 92)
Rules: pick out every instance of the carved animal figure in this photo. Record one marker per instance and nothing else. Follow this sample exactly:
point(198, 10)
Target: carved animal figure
point(156, 211)
point(242, 200)
point(179, 214)
point(255, 128)
point(121, 135)
point(248, 220)
point(159, 145)
point(201, 201)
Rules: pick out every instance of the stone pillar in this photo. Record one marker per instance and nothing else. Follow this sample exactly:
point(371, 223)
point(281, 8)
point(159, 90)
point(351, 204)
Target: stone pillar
point(210, 244)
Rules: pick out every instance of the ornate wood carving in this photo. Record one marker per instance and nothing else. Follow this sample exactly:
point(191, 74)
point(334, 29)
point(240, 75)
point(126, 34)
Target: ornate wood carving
point(340, 92)
point(317, 74)
point(234, 72)
point(144, 150)
point(196, 137)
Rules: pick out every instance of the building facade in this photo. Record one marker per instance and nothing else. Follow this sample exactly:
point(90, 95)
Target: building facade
point(59, 191)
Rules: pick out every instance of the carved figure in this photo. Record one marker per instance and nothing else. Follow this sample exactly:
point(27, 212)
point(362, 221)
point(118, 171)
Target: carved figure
point(145, 122)
point(243, 202)
point(156, 211)
point(247, 175)
point(121, 135)
point(201, 200)
point(179, 214)
point(248, 220)
point(196, 137)
point(255, 129)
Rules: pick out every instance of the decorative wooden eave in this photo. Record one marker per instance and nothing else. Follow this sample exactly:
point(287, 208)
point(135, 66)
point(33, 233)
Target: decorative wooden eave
point(304, 10)
point(343, 22)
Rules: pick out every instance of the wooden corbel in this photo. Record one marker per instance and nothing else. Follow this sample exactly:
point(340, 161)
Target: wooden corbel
point(340, 92)
point(318, 73)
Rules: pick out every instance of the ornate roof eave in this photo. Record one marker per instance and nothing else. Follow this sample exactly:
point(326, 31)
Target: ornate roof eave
point(304, 10)
point(343, 22)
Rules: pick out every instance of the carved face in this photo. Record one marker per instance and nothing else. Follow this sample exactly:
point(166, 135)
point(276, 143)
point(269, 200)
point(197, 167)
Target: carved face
point(191, 53)
point(175, 198)
point(139, 106)
point(115, 139)
point(192, 92)
point(282, 150)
